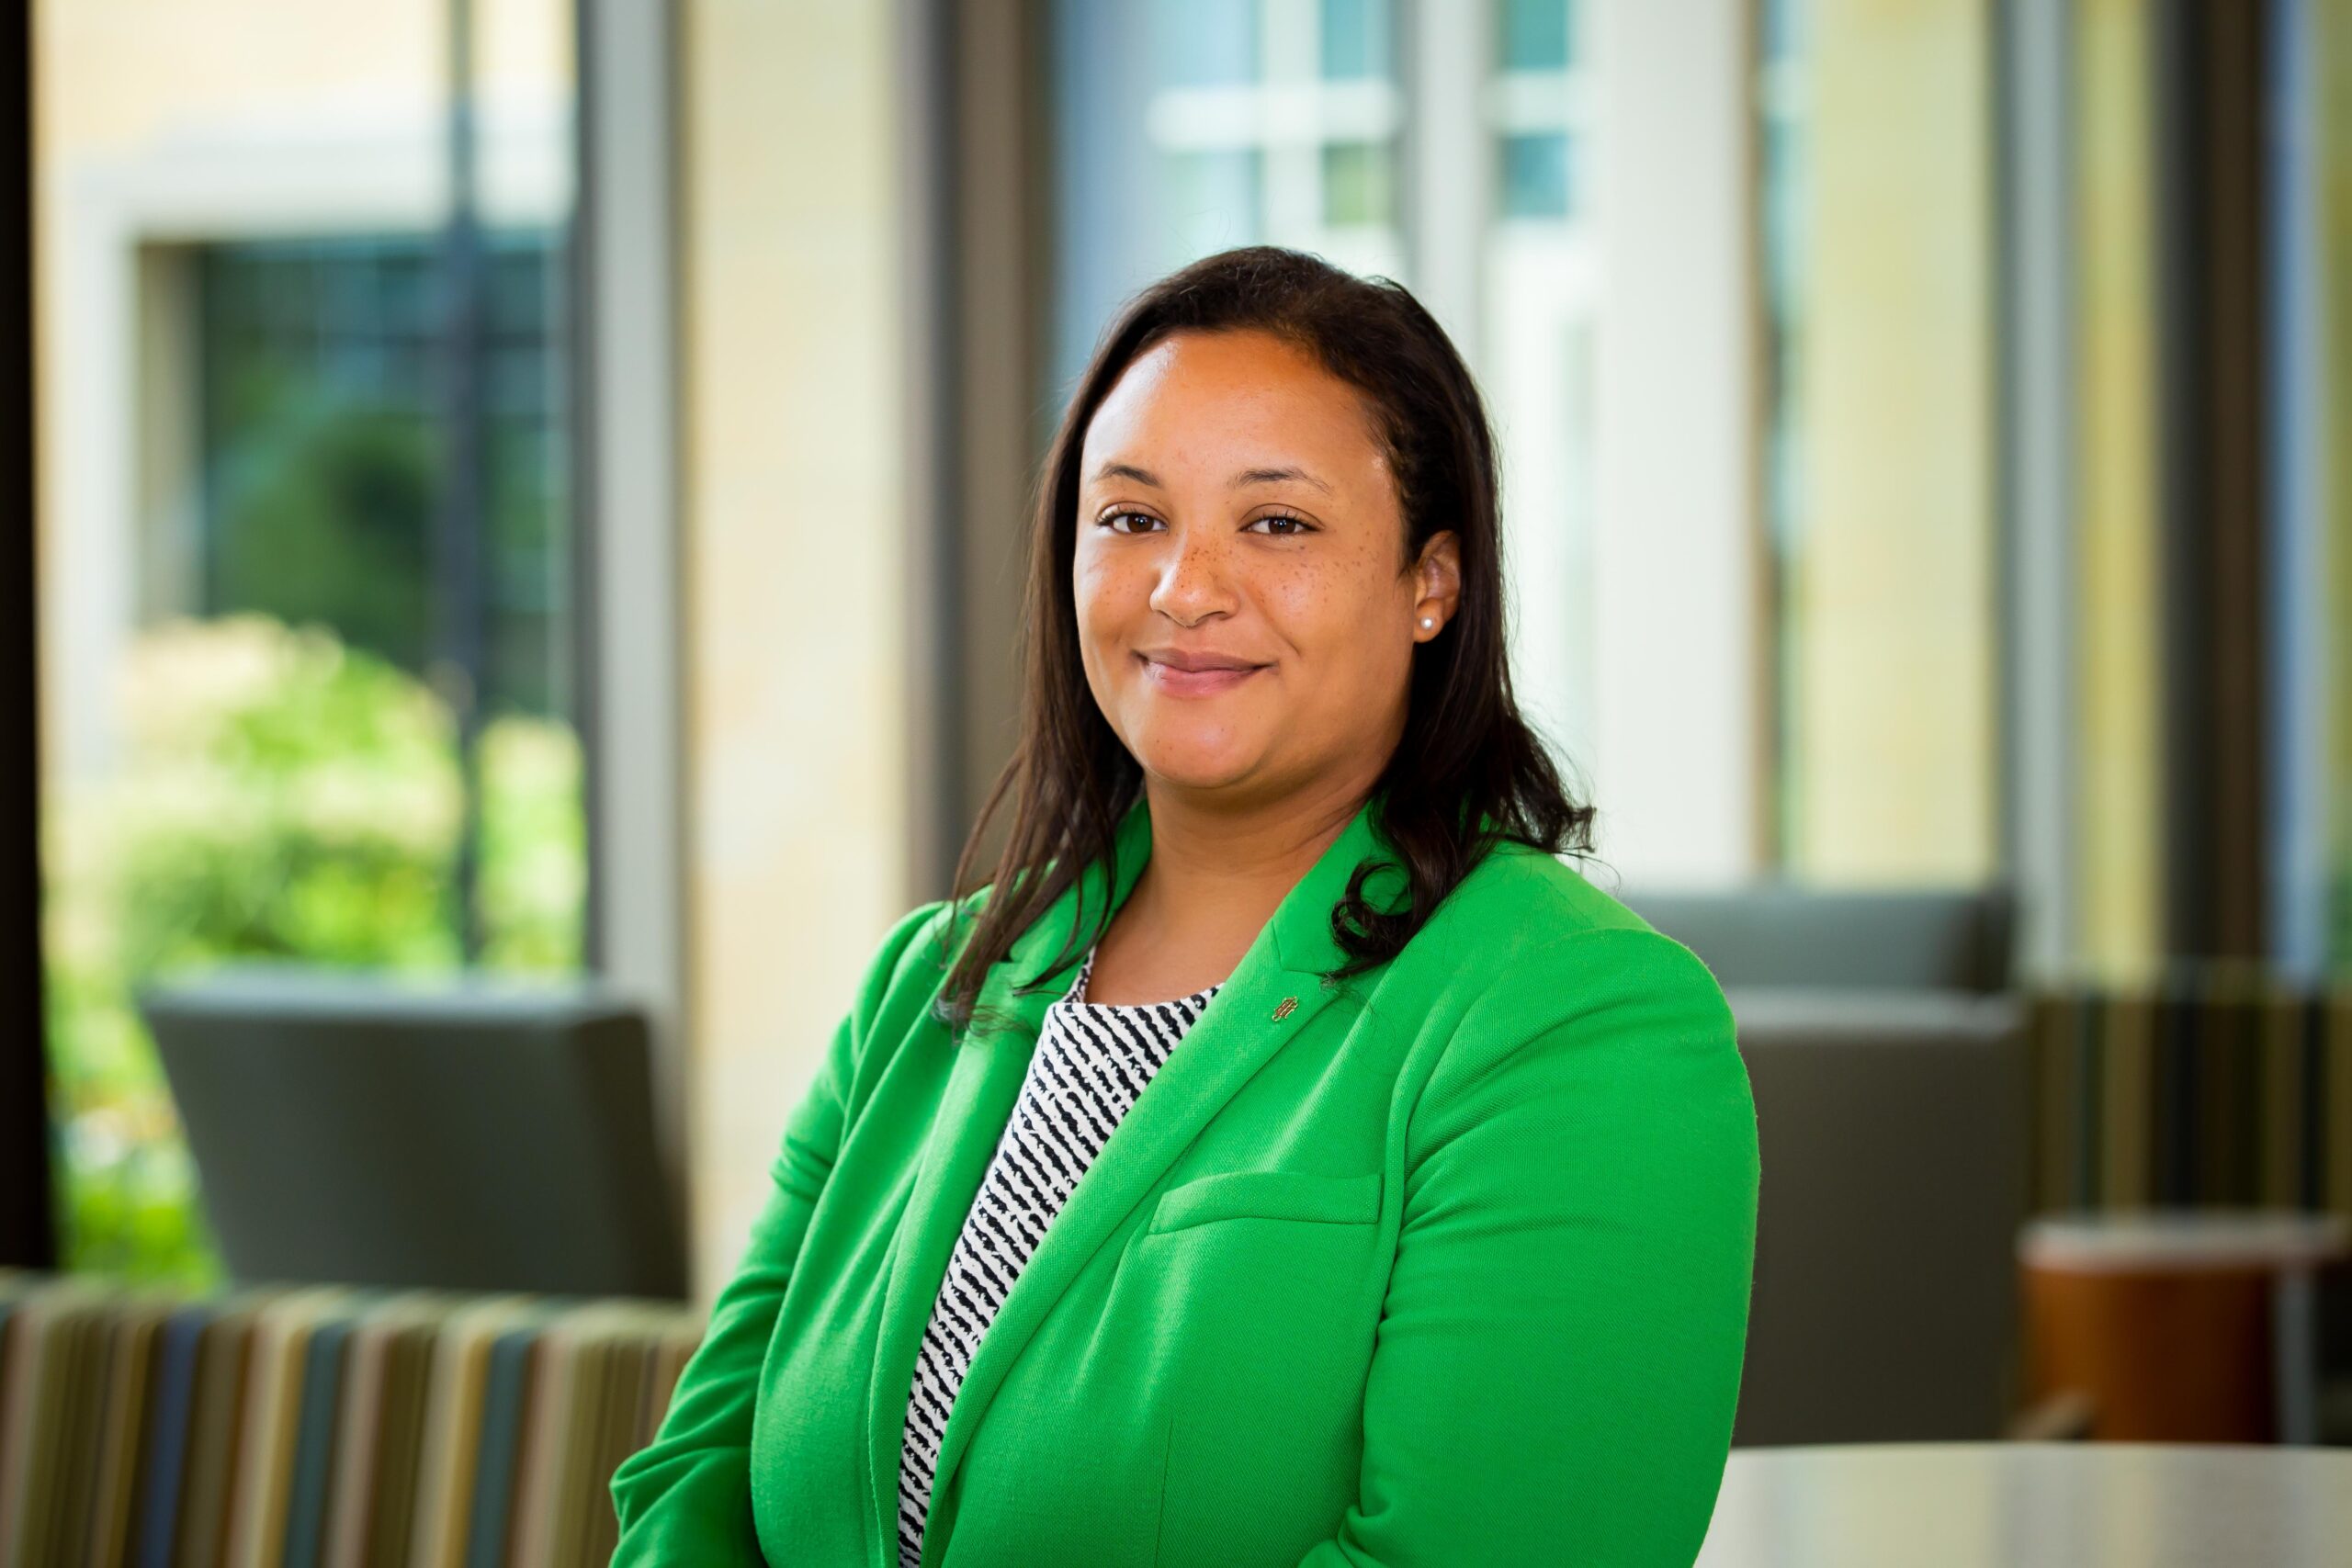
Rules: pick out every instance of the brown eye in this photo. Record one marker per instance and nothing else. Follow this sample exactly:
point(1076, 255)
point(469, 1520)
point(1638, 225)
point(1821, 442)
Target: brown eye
point(1113, 521)
point(1296, 525)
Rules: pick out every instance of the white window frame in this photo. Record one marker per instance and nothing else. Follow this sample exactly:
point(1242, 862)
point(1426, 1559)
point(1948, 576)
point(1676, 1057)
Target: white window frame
point(1664, 724)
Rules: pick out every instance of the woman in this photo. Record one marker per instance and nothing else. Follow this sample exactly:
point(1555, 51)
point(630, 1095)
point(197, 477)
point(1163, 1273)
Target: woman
point(1431, 1241)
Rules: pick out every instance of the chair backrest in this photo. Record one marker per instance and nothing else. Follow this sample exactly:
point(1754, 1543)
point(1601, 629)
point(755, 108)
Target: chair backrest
point(472, 1134)
point(1773, 934)
point(1893, 1133)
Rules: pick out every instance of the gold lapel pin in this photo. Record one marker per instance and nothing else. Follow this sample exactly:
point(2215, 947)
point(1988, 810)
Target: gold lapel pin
point(1284, 1011)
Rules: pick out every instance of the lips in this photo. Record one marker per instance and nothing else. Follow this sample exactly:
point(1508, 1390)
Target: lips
point(1212, 678)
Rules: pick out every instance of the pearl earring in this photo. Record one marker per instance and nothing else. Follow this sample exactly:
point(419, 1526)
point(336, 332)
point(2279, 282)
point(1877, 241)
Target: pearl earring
point(1427, 623)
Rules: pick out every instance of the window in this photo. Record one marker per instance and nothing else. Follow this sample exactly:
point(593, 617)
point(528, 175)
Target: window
point(304, 530)
point(1746, 418)
point(320, 402)
point(1187, 128)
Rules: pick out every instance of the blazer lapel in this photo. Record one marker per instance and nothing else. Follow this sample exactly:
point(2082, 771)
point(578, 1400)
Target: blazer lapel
point(982, 1085)
point(1274, 992)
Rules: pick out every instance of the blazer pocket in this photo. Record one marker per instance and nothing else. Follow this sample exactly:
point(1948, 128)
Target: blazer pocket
point(1268, 1195)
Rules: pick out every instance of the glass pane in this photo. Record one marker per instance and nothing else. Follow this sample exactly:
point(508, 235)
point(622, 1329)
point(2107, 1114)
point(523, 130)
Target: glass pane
point(1359, 184)
point(305, 517)
point(318, 454)
point(1541, 310)
point(1534, 35)
point(1200, 43)
point(1356, 38)
point(1535, 175)
point(1215, 199)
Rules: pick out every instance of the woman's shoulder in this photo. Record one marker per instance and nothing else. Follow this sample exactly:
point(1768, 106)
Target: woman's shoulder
point(1521, 900)
point(1542, 1003)
point(920, 946)
point(920, 940)
point(1526, 936)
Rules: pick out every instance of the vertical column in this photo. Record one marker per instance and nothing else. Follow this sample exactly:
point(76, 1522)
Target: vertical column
point(792, 533)
point(2215, 409)
point(2039, 590)
point(28, 1234)
point(2296, 310)
point(1675, 634)
point(2117, 646)
point(628, 622)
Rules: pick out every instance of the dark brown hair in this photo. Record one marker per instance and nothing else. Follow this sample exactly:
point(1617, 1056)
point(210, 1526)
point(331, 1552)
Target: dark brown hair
point(1465, 750)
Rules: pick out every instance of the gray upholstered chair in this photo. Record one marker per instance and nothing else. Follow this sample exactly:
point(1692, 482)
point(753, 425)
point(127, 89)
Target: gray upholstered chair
point(1892, 1132)
point(1774, 934)
point(1893, 1102)
point(469, 1134)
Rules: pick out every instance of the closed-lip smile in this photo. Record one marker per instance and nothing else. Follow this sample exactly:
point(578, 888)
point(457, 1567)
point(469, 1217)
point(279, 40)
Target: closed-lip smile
point(1177, 658)
point(1182, 673)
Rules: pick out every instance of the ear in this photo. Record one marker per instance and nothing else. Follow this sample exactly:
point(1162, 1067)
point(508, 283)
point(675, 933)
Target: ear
point(1437, 583)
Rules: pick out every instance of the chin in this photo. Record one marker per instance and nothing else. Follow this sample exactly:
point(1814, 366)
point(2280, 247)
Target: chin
point(1195, 761)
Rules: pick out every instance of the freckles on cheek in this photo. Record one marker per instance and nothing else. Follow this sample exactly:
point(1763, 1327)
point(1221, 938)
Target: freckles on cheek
point(1094, 595)
point(1338, 601)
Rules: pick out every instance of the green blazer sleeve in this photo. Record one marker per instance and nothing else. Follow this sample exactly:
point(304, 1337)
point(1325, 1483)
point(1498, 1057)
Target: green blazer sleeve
point(1559, 1358)
point(686, 1497)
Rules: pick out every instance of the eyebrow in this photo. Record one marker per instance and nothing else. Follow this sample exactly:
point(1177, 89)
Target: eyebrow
point(1276, 476)
point(1247, 477)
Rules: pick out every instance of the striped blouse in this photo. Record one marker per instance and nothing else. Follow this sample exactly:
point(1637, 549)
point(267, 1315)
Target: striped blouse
point(1090, 1063)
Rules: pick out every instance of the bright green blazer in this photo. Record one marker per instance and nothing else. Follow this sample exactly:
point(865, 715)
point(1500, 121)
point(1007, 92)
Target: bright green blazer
point(1445, 1264)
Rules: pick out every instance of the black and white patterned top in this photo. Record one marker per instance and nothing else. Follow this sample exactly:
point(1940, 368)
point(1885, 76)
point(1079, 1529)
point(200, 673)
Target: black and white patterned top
point(1092, 1062)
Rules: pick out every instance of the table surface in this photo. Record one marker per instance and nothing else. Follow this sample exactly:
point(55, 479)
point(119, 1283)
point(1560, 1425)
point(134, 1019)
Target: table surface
point(2165, 1240)
point(2033, 1506)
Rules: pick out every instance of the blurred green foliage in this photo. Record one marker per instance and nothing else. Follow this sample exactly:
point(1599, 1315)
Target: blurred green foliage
point(278, 796)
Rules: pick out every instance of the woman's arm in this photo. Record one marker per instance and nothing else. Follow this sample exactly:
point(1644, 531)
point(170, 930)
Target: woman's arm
point(686, 1497)
point(1558, 1362)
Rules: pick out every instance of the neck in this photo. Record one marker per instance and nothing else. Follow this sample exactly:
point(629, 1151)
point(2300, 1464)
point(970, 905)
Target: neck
point(1217, 873)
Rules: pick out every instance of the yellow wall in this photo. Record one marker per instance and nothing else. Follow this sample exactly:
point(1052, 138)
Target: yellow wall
point(116, 74)
point(795, 602)
point(1893, 742)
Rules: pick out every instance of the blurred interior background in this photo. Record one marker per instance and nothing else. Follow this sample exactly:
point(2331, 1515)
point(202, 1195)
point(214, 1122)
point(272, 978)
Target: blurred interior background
point(527, 503)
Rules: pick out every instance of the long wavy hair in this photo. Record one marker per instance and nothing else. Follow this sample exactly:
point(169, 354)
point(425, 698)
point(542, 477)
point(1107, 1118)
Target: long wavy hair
point(1468, 772)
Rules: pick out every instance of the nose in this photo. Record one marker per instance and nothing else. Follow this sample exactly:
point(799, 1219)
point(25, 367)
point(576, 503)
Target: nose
point(1193, 578)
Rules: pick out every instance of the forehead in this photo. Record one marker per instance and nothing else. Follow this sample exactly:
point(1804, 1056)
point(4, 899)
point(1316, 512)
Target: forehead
point(1229, 398)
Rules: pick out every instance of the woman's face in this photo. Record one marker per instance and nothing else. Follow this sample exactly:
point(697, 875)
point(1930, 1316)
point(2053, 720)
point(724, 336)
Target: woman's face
point(1243, 616)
